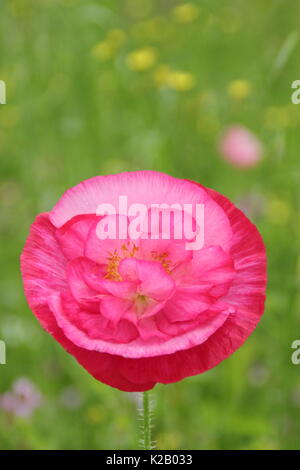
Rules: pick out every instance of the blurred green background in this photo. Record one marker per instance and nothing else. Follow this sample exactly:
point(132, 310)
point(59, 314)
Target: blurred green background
point(96, 87)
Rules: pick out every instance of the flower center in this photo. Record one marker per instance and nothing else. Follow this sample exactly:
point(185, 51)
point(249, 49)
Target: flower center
point(130, 250)
point(141, 302)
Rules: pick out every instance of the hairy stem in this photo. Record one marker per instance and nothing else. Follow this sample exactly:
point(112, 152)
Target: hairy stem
point(146, 417)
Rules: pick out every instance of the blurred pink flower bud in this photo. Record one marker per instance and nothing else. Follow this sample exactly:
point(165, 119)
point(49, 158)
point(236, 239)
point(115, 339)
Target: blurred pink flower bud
point(22, 400)
point(240, 147)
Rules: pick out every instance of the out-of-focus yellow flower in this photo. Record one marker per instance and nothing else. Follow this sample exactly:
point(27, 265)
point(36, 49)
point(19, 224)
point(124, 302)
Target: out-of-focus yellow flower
point(142, 59)
point(116, 37)
point(239, 89)
point(181, 81)
point(175, 79)
point(185, 13)
point(103, 50)
point(106, 49)
point(278, 211)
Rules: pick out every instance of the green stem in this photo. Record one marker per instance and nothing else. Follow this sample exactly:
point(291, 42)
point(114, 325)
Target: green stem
point(146, 421)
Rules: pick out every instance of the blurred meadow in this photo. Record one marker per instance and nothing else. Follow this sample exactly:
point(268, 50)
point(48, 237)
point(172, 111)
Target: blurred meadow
point(99, 87)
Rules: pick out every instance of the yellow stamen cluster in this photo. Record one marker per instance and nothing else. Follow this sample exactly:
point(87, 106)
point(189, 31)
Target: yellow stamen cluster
point(128, 251)
point(114, 260)
point(163, 259)
point(112, 267)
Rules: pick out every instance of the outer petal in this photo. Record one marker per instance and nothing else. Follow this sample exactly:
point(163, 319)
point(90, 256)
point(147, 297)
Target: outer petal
point(186, 305)
point(43, 265)
point(209, 267)
point(174, 367)
point(72, 236)
point(143, 187)
point(86, 275)
point(248, 252)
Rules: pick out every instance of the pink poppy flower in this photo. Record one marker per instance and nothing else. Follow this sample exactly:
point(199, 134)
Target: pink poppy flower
point(140, 310)
point(239, 147)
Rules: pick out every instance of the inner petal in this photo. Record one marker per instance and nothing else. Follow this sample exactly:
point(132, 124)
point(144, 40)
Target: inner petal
point(153, 280)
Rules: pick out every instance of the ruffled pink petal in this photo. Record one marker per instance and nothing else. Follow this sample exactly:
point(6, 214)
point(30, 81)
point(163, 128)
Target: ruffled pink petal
point(87, 297)
point(87, 281)
point(186, 306)
point(174, 367)
point(121, 289)
point(152, 308)
point(101, 250)
point(209, 267)
point(107, 369)
point(90, 274)
point(73, 234)
point(215, 313)
point(114, 308)
point(148, 330)
point(69, 319)
point(144, 187)
point(43, 265)
point(173, 329)
point(153, 279)
point(247, 290)
point(86, 328)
